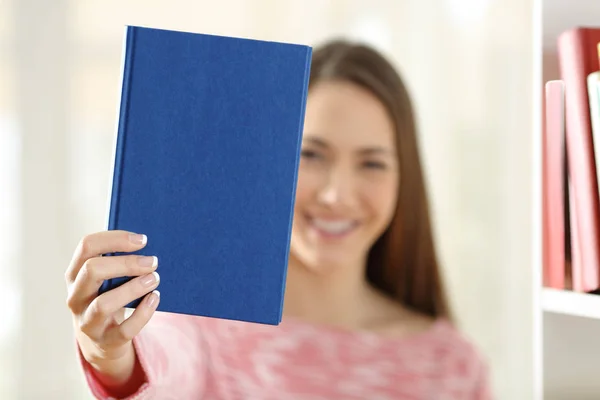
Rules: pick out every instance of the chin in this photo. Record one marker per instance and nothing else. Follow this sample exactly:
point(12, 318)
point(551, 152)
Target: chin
point(327, 253)
point(325, 264)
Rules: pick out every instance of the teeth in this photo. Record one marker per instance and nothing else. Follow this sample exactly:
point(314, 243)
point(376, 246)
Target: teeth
point(333, 227)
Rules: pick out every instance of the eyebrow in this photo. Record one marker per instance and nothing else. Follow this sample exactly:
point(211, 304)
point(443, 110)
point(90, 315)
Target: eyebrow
point(364, 151)
point(316, 141)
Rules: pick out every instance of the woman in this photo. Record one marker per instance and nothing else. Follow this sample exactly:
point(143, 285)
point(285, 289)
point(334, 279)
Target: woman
point(365, 312)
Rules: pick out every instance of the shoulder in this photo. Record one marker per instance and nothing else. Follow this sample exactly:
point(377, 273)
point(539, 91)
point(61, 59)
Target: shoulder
point(439, 351)
point(451, 343)
point(458, 356)
point(447, 336)
point(438, 337)
point(441, 337)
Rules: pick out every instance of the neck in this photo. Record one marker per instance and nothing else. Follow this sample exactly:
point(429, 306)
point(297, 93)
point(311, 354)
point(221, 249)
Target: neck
point(335, 297)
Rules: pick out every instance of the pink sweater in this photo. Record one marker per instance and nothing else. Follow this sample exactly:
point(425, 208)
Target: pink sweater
point(186, 358)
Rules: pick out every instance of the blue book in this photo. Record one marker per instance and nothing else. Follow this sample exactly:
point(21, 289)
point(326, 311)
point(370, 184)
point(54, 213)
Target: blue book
point(206, 162)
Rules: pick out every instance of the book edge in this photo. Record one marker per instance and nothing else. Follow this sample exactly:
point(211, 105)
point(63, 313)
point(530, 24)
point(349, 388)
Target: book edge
point(222, 36)
point(115, 172)
point(307, 70)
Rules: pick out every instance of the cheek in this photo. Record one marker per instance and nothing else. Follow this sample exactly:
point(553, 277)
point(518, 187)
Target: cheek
point(306, 188)
point(382, 197)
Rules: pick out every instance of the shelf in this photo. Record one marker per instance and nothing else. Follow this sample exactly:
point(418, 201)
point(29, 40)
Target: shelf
point(571, 303)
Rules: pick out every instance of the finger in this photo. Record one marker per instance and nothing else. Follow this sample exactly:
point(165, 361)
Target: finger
point(102, 308)
point(134, 324)
point(100, 243)
point(96, 270)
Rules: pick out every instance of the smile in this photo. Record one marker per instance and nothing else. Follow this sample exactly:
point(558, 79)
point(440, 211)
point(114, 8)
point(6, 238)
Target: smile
point(333, 228)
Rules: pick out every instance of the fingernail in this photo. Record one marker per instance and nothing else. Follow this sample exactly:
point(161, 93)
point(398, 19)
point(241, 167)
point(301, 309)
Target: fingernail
point(153, 298)
point(148, 262)
point(137, 238)
point(151, 279)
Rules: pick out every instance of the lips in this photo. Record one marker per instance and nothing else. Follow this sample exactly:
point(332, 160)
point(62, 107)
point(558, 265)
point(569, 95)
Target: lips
point(333, 227)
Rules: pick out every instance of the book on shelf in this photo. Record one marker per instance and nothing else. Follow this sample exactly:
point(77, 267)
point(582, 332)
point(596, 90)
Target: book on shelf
point(578, 52)
point(593, 87)
point(553, 171)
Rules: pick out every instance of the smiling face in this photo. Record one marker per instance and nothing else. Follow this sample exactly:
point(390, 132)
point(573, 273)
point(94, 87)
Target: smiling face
point(348, 178)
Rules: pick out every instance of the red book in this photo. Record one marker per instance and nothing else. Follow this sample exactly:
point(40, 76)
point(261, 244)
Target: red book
point(552, 185)
point(578, 57)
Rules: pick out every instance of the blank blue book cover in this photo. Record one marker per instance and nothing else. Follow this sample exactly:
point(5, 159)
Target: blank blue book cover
point(206, 162)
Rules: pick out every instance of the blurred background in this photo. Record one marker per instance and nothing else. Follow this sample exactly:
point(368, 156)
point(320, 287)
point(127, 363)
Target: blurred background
point(468, 64)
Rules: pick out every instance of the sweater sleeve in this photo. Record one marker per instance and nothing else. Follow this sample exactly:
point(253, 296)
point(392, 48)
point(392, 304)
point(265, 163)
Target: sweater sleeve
point(172, 361)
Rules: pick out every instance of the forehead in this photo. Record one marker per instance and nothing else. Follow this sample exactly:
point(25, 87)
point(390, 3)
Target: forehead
point(345, 114)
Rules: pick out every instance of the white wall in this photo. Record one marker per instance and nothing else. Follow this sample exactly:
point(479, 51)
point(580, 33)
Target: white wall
point(469, 67)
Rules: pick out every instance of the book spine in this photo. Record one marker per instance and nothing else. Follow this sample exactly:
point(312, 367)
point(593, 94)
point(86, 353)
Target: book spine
point(121, 131)
point(553, 206)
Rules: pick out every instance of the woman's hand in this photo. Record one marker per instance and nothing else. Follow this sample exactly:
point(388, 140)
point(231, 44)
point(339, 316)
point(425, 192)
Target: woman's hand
point(104, 337)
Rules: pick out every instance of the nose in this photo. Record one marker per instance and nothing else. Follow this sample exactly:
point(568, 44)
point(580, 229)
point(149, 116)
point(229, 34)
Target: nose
point(338, 188)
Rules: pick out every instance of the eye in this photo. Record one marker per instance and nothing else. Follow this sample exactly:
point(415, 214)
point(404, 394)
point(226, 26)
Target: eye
point(375, 165)
point(310, 154)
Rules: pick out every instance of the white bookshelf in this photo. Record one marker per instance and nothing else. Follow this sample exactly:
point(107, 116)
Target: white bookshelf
point(571, 303)
point(569, 322)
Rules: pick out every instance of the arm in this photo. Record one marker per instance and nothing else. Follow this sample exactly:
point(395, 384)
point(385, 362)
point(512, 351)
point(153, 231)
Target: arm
point(170, 362)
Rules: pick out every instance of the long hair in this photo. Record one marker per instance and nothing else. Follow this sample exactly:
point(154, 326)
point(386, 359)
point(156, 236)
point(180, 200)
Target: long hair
point(403, 262)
